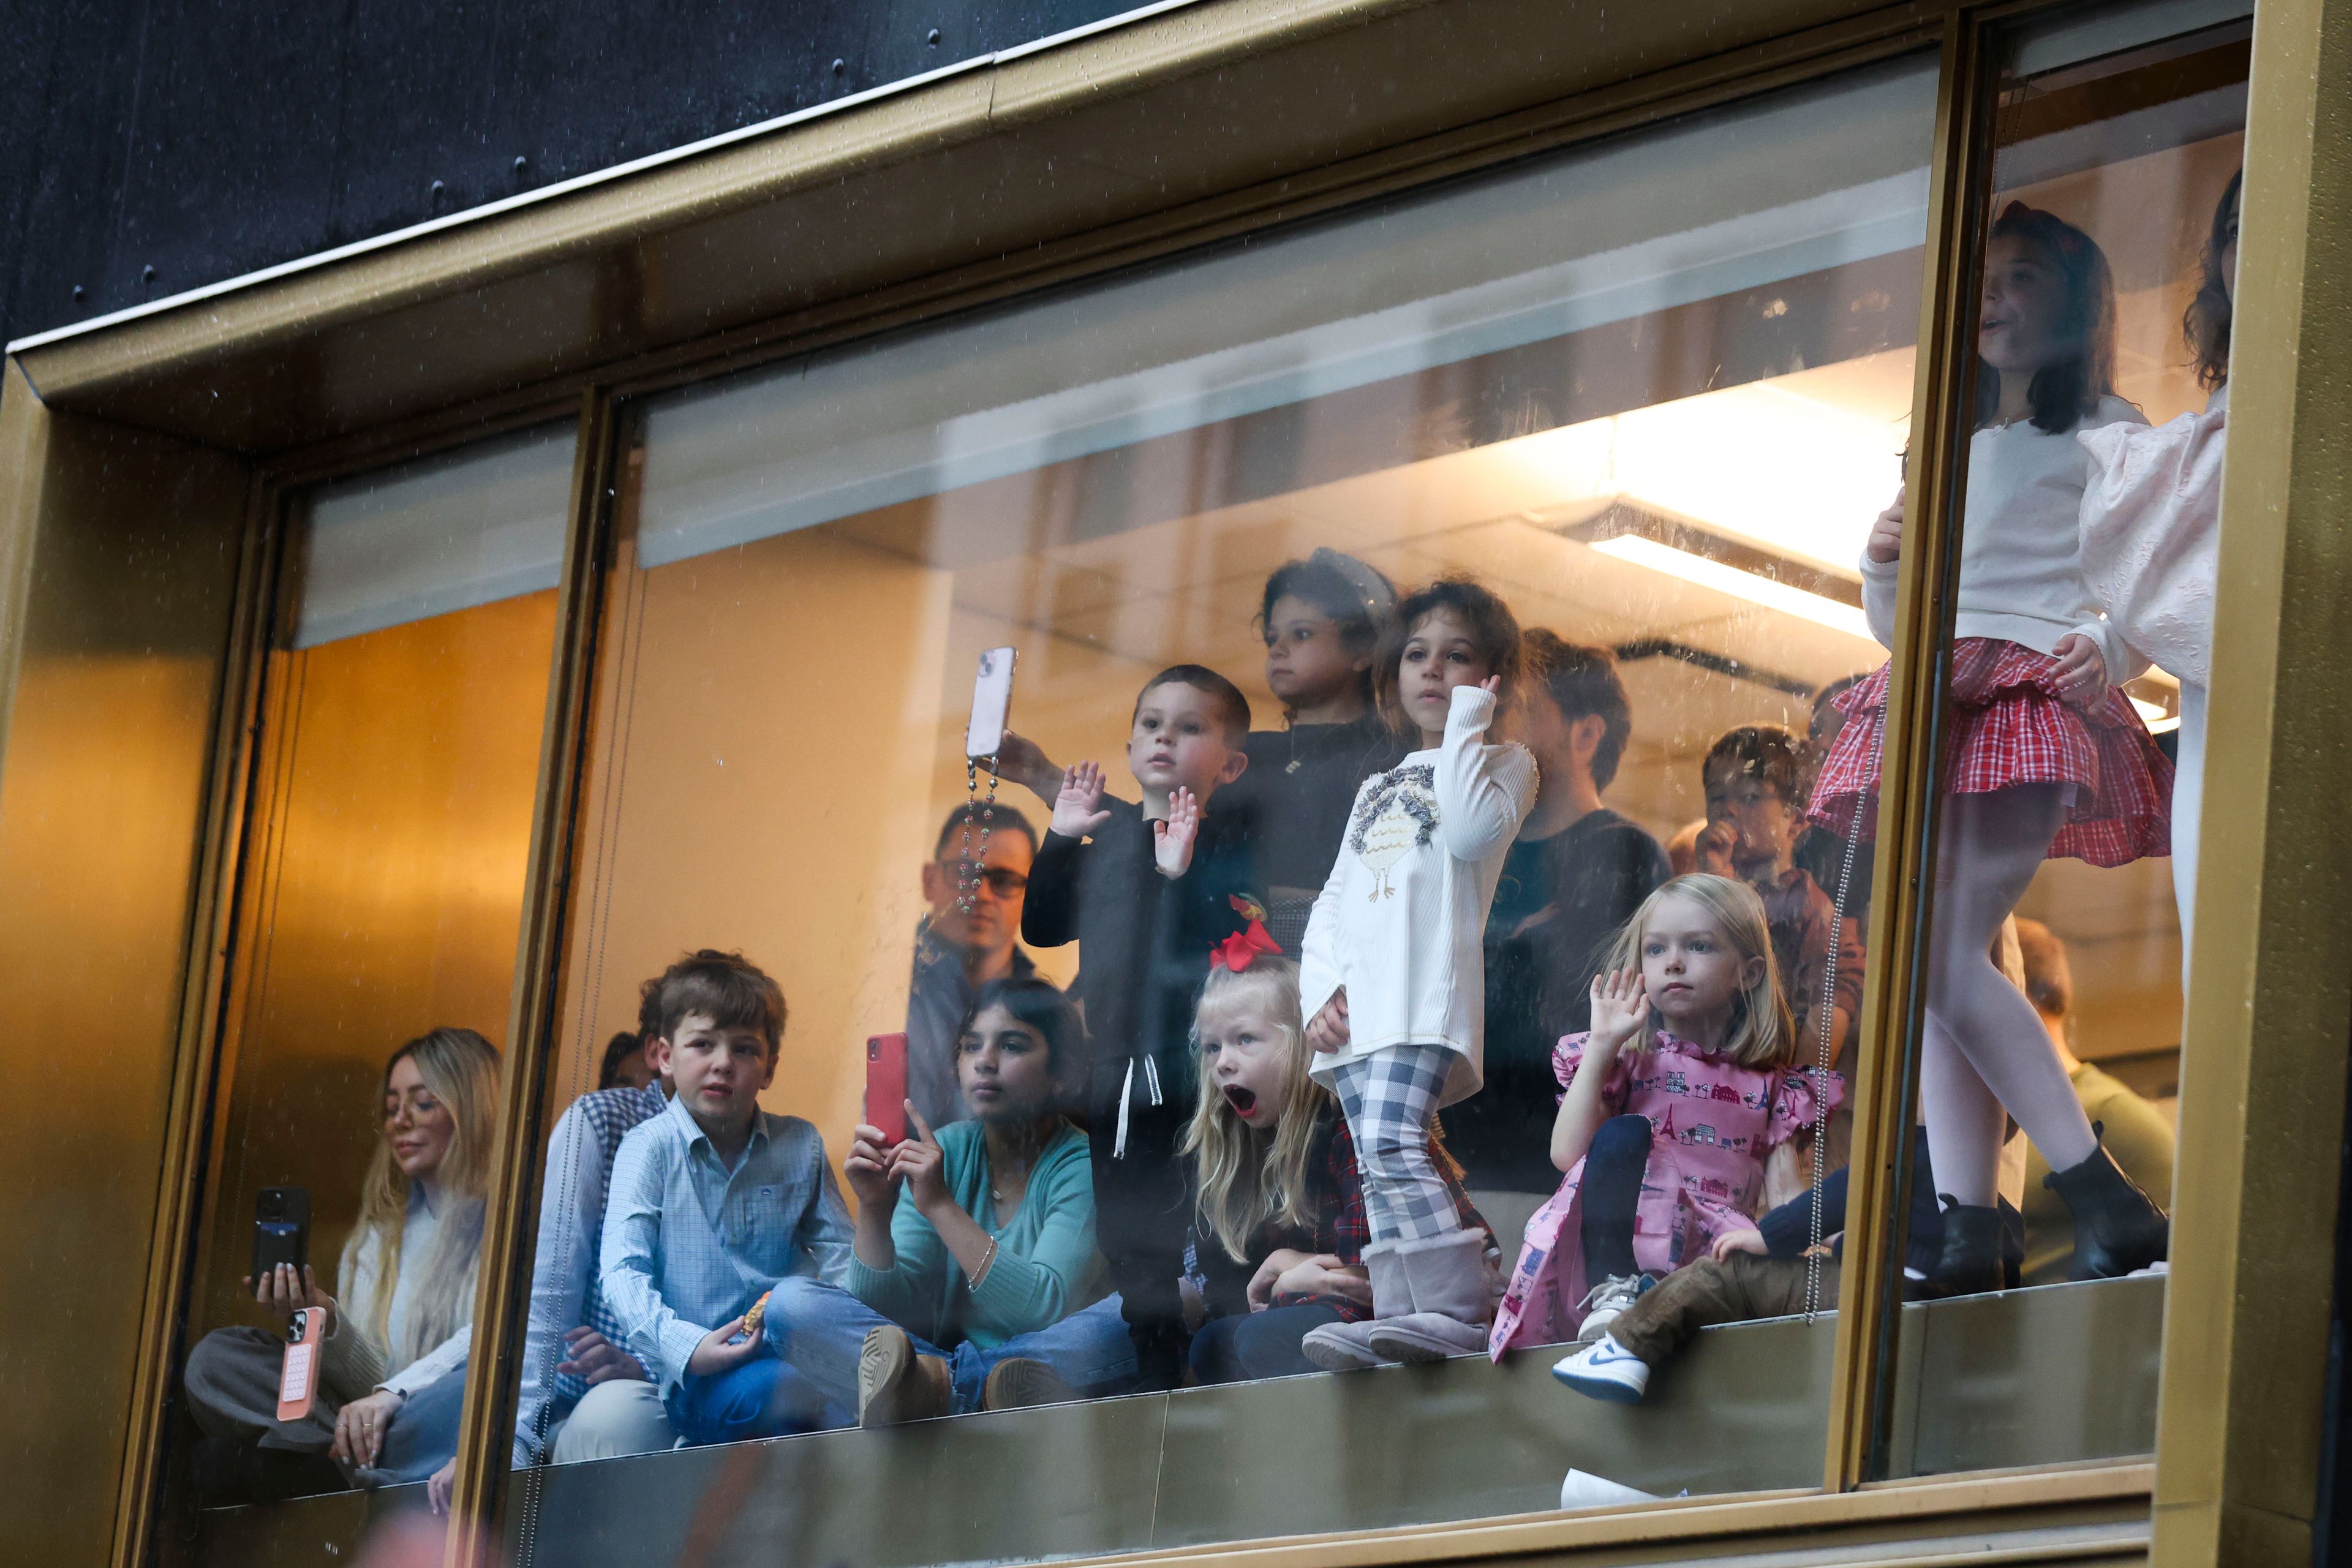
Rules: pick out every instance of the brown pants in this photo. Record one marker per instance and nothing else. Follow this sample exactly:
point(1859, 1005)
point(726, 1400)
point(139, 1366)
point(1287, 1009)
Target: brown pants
point(1702, 1294)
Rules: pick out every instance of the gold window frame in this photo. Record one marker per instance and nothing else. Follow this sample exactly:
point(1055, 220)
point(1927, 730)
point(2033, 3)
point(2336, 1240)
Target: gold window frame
point(587, 294)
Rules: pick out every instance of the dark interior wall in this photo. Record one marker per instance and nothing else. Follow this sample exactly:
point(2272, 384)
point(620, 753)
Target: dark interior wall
point(147, 147)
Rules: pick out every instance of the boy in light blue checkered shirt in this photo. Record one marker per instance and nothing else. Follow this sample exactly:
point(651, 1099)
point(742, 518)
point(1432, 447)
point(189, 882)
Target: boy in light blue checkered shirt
point(712, 1203)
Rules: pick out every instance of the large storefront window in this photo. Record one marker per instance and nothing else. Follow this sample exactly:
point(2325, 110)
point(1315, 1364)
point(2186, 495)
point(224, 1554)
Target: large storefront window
point(2070, 736)
point(378, 920)
point(1404, 606)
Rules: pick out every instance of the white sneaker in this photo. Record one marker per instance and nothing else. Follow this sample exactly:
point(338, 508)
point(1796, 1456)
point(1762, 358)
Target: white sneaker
point(1605, 1300)
point(1605, 1370)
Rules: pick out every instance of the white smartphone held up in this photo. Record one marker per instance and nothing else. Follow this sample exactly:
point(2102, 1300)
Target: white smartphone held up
point(991, 703)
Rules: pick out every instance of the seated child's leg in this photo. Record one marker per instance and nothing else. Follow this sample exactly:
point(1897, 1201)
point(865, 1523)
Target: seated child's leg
point(1610, 1192)
point(762, 1399)
point(1253, 1345)
point(614, 1420)
point(1090, 1349)
point(1388, 1098)
point(1704, 1293)
point(424, 1433)
point(819, 1330)
point(1142, 1213)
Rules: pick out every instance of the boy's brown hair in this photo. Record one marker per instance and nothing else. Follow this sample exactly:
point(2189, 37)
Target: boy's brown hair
point(1772, 753)
point(1494, 632)
point(1582, 682)
point(1233, 708)
point(726, 988)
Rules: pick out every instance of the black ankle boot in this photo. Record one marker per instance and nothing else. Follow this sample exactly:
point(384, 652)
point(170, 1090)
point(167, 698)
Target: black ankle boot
point(2117, 1228)
point(1969, 1264)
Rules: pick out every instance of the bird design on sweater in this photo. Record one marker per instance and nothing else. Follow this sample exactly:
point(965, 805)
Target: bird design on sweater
point(1396, 812)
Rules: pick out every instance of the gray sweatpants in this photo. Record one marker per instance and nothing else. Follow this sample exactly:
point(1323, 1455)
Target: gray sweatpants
point(232, 1384)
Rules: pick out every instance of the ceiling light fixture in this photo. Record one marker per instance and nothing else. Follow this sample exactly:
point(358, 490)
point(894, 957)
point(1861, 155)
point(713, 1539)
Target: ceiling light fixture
point(1697, 569)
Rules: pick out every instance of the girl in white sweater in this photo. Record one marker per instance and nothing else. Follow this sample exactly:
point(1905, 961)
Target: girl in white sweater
point(1393, 977)
point(2045, 757)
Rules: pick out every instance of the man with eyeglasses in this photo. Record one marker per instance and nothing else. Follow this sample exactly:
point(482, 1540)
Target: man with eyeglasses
point(958, 950)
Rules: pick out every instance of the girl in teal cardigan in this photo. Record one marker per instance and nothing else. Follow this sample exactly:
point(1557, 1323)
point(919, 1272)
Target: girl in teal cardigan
point(975, 1282)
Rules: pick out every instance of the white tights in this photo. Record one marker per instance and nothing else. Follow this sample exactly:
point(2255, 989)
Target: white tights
point(1986, 1050)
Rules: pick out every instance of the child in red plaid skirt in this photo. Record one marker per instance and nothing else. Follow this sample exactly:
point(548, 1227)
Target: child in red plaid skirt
point(2045, 758)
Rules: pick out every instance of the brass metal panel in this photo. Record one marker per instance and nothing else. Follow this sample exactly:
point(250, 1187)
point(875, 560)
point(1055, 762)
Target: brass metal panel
point(502, 1302)
point(2270, 1003)
point(124, 545)
point(1861, 1397)
point(391, 856)
point(1003, 167)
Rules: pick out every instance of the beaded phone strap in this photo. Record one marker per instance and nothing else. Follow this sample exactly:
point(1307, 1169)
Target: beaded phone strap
point(972, 867)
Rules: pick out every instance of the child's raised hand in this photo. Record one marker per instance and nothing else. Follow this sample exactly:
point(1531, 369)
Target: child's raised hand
point(1076, 810)
point(2082, 672)
point(1731, 1241)
point(1172, 841)
point(867, 1167)
point(1620, 1004)
point(1886, 542)
point(1711, 850)
point(716, 1354)
point(1327, 1030)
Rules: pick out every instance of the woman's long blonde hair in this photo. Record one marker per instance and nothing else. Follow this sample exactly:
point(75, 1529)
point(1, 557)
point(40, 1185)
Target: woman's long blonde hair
point(460, 1070)
point(1247, 1177)
point(1762, 1033)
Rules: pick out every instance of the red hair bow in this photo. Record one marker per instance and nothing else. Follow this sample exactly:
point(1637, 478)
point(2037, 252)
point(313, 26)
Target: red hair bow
point(1237, 951)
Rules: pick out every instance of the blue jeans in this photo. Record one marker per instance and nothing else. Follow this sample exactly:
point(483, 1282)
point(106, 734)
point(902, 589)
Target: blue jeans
point(1248, 1346)
point(764, 1397)
point(424, 1436)
point(824, 1328)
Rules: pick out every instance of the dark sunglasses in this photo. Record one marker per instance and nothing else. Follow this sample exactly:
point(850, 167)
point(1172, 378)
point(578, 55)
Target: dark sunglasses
point(1002, 881)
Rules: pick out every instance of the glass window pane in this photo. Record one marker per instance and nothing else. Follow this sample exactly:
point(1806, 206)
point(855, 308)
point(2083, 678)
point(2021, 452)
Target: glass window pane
point(379, 916)
point(2070, 722)
point(1631, 408)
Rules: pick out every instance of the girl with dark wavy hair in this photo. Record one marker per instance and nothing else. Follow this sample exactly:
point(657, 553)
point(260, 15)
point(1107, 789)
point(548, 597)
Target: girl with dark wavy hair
point(2045, 756)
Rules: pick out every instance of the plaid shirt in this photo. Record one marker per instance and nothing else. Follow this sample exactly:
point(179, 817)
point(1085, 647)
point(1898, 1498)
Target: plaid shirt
point(565, 1289)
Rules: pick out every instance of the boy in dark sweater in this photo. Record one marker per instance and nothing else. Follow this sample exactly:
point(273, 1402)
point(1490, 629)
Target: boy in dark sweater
point(1146, 891)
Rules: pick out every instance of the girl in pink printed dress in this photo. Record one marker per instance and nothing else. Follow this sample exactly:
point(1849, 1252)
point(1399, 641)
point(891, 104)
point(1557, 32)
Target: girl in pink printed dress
point(1674, 1097)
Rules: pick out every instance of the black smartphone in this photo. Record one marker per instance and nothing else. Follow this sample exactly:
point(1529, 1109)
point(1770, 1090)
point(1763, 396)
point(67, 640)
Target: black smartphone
point(281, 1228)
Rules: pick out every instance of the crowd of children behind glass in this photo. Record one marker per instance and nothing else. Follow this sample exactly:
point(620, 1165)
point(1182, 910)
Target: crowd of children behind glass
point(1335, 978)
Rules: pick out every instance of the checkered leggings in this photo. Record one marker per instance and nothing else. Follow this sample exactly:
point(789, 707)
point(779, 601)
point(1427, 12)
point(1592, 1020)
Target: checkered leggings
point(1388, 1098)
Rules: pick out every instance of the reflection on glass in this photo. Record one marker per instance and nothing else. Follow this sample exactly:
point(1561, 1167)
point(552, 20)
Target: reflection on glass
point(1400, 603)
point(2083, 626)
point(379, 919)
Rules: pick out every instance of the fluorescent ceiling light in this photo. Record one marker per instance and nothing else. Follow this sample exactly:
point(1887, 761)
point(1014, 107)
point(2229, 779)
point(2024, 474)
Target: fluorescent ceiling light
point(2153, 715)
point(1723, 579)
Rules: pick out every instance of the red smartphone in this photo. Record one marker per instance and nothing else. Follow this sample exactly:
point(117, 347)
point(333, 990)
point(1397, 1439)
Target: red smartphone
point(298, 1374)
point(886, 1087)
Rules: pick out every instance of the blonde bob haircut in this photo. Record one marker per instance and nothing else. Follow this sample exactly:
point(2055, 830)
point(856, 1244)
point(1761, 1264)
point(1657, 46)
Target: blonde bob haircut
point(460, 1070)
point(1245, 1177)
point(1762, 1033)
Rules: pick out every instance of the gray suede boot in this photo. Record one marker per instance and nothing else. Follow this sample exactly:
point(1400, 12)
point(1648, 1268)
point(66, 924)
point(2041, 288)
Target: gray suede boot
point(1453, 1294)
point(1347, 1347)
